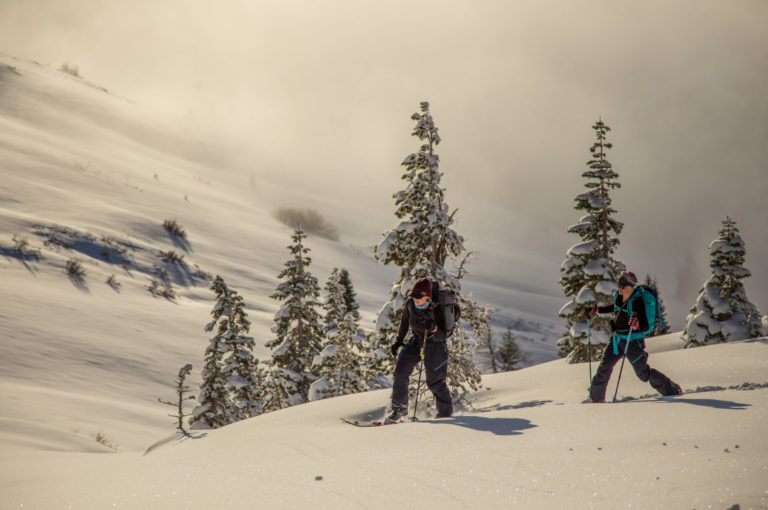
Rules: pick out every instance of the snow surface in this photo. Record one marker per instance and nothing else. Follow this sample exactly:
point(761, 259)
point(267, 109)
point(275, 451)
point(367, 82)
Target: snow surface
point(82, 363)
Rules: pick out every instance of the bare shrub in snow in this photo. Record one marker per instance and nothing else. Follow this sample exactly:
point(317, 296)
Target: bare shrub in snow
point(174, 228)
point(22, 247)
point(102, 439)
point(75, 270)
point(71, 69)
point(162, 289)
point(112, 282)
point(173, 257)
point(307, 220)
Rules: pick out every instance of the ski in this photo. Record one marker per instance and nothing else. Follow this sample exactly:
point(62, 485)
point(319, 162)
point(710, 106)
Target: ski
point(371, 423)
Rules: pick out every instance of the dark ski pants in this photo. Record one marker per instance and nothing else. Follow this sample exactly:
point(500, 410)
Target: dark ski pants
point(638, 358)
point(436, 369)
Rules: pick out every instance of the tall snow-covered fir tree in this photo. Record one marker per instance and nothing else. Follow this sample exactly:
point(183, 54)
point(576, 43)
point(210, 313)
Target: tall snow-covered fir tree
point(420, 246)
point(664, 328)
point(244, 374)
point(722, 312)
point(231, 375)
point(297, 325)
point(589, 272)
point(214, 407)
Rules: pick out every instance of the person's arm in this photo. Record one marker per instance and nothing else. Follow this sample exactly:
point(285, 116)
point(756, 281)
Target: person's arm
point(605, 309)
point(405, 322)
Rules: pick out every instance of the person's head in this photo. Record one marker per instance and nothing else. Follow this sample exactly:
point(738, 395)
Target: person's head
point(421, 292)
point(626, 283)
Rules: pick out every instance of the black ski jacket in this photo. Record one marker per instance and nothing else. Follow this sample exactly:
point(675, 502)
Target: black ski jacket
point(620, 321)
point(419, 321)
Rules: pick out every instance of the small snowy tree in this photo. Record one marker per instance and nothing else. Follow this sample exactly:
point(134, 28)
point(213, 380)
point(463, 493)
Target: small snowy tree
point(589, 272)
point(350, 299)
point(278, 385)
point(510, 354)
point(297, 324)
point(420, 246)
point(335, 305)
point(664, 327)
point(181, 396)
point(722, 312)
point(341, 365)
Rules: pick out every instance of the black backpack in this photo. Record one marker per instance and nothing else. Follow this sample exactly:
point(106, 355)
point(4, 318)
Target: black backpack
point(447, 311)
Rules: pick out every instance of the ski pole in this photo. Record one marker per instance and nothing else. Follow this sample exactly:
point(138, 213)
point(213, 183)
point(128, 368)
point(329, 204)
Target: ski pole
point(421, 369)
point(626, 348)
point(589, 351)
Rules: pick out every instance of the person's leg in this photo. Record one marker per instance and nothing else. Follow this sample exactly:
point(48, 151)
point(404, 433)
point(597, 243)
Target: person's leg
point(436, 367)
point(639, 358)
point(406, 360)
point(603, 375)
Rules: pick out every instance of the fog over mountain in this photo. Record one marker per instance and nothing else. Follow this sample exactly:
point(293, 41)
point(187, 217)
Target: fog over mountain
point(311, 104)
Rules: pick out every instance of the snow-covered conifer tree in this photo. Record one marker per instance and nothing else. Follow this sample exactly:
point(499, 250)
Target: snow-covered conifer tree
point(349, 294)
point(277, 388)
point(231, 375)
point(341, 365)
point(509, 352)
point(420, 246)
point(214, 407)
point(231, 323)
point(589, 272)
point(664, 328)
point(722, 311)
point(335, 305)
point(297, 324)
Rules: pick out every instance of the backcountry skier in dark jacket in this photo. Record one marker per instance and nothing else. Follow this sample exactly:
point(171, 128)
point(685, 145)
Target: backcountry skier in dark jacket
point(419, 317)
point(630, 314)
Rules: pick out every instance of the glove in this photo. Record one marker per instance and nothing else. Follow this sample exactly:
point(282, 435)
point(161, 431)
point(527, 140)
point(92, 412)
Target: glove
point(395, 347)
point(634, 323)
point(590, 311)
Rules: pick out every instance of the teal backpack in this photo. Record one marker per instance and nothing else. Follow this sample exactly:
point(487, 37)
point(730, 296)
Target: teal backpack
point(652, 308)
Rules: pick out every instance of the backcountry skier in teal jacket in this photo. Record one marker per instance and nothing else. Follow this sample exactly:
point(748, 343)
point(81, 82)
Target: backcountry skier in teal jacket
point(630, 315)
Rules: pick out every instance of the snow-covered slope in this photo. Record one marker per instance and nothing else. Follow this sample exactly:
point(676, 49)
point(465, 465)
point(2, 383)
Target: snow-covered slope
point(90, 177)
point(527, 443)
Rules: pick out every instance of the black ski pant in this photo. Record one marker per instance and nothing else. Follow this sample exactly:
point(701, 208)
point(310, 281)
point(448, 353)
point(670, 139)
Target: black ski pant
point(435, 368)
point(638, 358)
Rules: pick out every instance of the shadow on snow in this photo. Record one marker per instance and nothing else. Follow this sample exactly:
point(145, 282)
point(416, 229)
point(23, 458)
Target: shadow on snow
point(498, 426)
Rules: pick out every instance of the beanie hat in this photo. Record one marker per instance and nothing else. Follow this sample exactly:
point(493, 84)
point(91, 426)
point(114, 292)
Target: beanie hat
point(422, 287)
point(628, 278)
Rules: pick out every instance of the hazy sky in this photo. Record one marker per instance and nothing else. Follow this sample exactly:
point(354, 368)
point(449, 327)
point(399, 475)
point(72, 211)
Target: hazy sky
point(313, 100)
